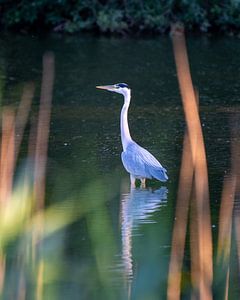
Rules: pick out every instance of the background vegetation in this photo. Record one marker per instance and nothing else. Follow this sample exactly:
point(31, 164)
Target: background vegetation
point(122, 17)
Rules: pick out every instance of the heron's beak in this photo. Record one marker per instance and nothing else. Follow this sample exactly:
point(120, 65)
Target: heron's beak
point(106, 87)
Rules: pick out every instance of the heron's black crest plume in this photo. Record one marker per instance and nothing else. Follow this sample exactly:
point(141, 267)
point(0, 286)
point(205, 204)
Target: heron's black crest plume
point(138, 162)
point(122, 85)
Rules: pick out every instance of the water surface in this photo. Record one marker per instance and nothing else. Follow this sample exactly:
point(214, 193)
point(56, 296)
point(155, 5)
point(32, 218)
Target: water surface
point(118, 242)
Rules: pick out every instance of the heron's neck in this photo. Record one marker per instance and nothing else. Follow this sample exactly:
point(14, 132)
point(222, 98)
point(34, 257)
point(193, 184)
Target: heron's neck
point(125, 134)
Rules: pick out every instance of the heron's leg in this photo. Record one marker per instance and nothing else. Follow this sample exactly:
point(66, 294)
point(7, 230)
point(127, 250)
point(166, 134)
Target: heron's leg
point(143, 183)
point(133, 180)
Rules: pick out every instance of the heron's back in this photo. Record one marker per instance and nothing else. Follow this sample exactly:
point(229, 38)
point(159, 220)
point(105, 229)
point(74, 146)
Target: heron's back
point(142, 164)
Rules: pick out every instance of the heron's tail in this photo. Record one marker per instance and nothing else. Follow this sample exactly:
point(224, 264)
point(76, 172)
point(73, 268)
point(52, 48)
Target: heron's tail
point(159, 173)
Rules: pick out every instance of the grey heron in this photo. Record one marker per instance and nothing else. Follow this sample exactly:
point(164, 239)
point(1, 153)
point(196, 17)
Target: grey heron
point(138, 162)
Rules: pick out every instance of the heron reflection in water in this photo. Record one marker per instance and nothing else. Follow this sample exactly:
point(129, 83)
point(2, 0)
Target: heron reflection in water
point(137, 206)
point(138, 162)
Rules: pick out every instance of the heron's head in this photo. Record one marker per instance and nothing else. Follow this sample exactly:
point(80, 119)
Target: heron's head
point(120, 88)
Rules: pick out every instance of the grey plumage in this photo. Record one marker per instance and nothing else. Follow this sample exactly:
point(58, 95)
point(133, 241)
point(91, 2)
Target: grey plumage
point(142, 164)
point(137, 161)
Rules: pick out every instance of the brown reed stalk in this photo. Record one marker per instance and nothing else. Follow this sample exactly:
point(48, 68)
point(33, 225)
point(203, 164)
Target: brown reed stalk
point(2, 270)
point(41, 149)
point(194, 246)
point(199, 162)
point(196, 235)
point(7, 158)
point(225, 218)
point(23, 114)
point(226, 214)
point(43, 129)
point(12, 133)
point(180, 223)
point(32, 137)
point(181, 218)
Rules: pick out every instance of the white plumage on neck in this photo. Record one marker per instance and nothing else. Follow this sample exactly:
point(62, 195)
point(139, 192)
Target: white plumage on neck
point(138, 162)
point(125, 134)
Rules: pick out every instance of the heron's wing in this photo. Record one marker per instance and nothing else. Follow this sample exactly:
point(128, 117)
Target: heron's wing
point(139, 162)
point(134, 164)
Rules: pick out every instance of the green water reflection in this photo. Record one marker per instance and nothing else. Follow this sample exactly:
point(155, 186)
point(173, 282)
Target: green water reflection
point(103, 241)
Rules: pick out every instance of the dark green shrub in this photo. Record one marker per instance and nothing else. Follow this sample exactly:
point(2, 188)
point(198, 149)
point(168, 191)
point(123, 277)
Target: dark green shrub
point(116, 16)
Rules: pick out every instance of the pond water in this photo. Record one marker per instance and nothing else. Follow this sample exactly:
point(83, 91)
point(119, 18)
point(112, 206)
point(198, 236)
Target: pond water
point(101, 239)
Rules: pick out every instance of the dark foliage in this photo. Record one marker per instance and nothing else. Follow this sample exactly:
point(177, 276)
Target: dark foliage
point(116, 16)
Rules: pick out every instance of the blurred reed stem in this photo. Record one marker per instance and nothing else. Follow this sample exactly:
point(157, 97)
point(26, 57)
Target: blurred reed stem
point(205, 272)
point(7, 159)
point(227, 208)
point(180, 222)
point(13, 127)
point(22, 115)
point(181, 218)
point(43, 129)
